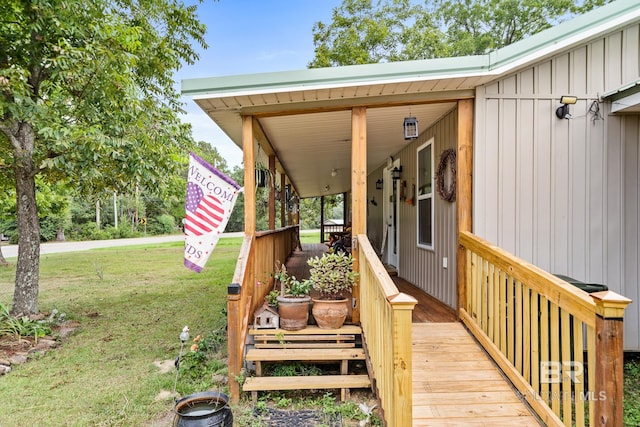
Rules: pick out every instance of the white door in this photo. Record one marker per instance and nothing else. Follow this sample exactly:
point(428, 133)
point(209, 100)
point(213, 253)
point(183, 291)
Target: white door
point(390, 212)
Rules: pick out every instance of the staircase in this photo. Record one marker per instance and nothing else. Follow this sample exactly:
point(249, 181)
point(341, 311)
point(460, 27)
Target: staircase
point(309, 345)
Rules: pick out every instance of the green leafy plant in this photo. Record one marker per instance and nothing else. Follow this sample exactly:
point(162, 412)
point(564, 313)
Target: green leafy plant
point(332, 274)
point(289, 285)
point(272, 298)
point(22, 326)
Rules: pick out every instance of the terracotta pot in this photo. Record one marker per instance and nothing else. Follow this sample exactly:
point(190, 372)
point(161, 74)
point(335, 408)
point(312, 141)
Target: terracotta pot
point(330, 313)
point(293, 312)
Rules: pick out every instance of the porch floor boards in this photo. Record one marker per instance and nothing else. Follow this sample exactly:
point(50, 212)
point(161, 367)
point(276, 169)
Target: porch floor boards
point(456, 384)
point(454, 381)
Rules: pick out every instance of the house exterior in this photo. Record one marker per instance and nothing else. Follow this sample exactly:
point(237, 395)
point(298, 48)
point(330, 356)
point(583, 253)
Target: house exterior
point(560, 193)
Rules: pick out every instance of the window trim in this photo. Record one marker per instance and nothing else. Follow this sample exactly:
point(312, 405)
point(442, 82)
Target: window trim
point(419, 197)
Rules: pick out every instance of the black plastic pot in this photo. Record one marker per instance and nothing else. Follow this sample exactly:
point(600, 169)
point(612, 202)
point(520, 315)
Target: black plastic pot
point(206, 409)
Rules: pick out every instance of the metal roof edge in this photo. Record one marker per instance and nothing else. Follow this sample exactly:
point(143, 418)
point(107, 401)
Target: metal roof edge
point(331, 77)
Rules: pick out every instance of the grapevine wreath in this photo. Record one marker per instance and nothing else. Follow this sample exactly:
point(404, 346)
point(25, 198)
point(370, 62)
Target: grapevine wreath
point(447, 159)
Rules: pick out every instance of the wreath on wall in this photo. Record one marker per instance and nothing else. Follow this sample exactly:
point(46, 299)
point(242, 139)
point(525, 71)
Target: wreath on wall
point(447, 161)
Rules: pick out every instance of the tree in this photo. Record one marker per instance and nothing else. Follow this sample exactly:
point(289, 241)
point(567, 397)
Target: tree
point(87, 97)
point(394, 30)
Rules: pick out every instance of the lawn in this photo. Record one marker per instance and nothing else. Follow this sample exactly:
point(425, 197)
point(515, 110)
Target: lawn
point(132, 304)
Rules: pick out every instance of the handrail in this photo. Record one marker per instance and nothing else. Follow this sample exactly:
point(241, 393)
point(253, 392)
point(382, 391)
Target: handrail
point(385, 316)
point(252, 281)
point(542, 333)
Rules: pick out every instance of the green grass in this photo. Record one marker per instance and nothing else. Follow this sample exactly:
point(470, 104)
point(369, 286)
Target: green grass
point(104, 375)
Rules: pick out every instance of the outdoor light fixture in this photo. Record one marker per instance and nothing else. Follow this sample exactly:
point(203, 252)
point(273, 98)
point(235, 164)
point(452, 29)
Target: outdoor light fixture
point(334, 172)
point(410, 128)
point(563, 111)
point(396, 173)
point(379, 184)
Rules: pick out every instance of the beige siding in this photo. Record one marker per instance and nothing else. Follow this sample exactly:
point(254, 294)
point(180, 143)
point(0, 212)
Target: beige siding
point(564, 194)
point(419, 266)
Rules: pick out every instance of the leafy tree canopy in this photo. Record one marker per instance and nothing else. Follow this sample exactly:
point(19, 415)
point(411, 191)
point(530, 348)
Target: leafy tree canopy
point(368, 31)
point(87, 97)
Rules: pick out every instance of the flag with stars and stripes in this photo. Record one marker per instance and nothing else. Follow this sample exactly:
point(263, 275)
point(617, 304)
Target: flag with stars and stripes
point(211, 196)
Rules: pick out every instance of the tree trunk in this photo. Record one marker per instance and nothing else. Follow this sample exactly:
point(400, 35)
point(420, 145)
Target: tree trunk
point(3, 261)
point(60, 235)
point(25, 295)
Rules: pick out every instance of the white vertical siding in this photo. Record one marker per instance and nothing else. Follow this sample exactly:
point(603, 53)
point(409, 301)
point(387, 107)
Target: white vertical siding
point(564, 194)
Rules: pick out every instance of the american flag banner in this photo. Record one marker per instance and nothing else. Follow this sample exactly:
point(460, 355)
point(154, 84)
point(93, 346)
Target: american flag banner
point(211, 196)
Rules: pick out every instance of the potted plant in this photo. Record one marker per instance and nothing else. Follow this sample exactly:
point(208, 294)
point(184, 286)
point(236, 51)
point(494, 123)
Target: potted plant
point(333, 277)
point(293, 301)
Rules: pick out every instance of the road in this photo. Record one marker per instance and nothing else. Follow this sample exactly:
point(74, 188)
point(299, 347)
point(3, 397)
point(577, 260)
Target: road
point(9, 251)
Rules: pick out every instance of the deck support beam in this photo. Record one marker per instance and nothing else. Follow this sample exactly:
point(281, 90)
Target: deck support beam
point(358, 194)
point(464, 196)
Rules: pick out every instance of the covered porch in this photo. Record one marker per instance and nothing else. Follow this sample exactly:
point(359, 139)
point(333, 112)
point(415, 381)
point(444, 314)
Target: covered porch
point(324, 132)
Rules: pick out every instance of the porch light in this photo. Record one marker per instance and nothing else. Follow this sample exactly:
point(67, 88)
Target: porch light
point(410, 128)
point(562, 112)
point(396, 173)
point(334, 172)
point(379, 184)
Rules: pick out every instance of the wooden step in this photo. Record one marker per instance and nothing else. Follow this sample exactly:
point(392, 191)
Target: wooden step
point(274, 355)
point(317, 345)
point(342, 382)
point(309, 330)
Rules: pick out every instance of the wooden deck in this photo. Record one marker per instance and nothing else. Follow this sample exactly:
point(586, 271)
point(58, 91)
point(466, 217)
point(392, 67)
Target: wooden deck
point(455, 383)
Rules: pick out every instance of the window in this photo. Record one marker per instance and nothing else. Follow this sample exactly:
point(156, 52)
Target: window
point(425, 195)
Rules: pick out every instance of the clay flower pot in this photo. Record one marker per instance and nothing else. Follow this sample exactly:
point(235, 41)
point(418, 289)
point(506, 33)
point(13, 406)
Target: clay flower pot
point(330, 313)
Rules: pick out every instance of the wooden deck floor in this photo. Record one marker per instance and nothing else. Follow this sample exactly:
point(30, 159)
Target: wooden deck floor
point(456, 384)
point(454, 381)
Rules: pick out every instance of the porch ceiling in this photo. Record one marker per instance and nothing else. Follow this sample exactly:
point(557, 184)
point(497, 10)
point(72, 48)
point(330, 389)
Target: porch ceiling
point(311, 146)
point(313, 141)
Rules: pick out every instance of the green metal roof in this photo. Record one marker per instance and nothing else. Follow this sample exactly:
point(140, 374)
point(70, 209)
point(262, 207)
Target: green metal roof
point(579, 29)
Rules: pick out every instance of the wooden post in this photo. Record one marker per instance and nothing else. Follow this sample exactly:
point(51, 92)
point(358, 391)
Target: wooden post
point(358, 194)
point(272, 193)
point(321, 219)
point(609, 358)
point(464, 196)
point(283, 202)
point(233, 340)
point(402, 305)
point(249, 159)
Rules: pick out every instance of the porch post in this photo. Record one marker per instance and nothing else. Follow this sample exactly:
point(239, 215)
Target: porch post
point(249, 159)
point(358, 193)
point(321, 219)
point(283, 203)
point(609, 358)
point(272, 192)
point(464, 196)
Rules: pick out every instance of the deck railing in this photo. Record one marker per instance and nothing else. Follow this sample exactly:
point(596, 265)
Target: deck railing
point(385, 316)
point(252, 281)
point(542, 332)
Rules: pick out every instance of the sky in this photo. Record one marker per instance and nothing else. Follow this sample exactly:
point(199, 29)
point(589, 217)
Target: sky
point(245, 37)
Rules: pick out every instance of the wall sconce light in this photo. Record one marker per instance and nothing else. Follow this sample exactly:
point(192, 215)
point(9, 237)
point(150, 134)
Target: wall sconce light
point(379, 184)
point(334, 172)
point(410, 128)
point(563, 111)
point(396, 173)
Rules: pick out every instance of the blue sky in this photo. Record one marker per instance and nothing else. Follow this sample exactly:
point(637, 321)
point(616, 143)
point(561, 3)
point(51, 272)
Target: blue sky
point(251, 36)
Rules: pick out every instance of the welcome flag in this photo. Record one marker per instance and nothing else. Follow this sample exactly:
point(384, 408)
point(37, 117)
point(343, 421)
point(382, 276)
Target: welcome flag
point(211, 196)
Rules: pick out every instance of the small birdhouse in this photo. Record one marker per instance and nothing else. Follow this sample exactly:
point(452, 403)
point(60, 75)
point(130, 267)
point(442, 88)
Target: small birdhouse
point(266, 317)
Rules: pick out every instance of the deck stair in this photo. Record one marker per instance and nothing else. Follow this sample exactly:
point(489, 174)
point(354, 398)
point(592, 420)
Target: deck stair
point(310, 345)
